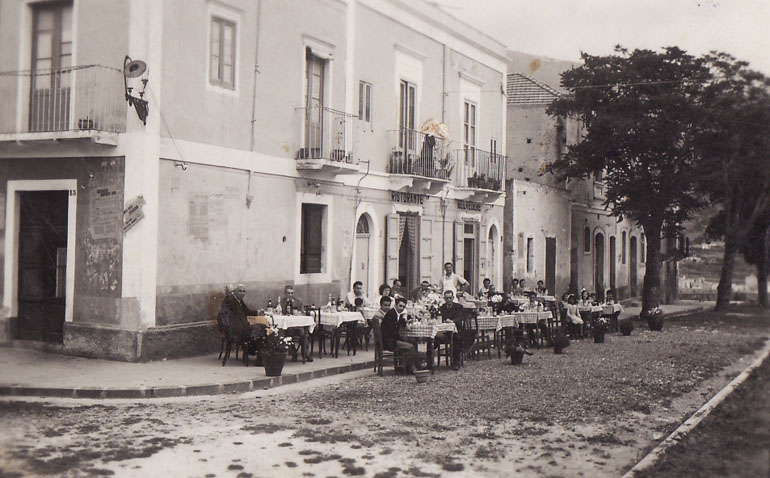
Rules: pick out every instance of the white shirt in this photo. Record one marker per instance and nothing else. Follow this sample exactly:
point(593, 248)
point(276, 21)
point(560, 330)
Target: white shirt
point(452, 282)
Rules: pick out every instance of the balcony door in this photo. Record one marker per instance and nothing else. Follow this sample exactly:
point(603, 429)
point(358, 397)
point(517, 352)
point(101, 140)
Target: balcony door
point(469, 140)
point(49, 102)
point(314, 102)
point(406, 139)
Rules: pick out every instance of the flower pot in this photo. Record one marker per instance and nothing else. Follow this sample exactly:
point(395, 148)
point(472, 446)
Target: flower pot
point(558, 349)
point(274, 362)
point(517, 357)
point(626, 326)
point(599, 337)
point(422, 376)
point(655, 322)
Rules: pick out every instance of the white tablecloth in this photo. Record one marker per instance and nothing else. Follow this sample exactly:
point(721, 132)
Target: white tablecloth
point(497, 322)
point(287, 321)
point(590, 308)
point(610, 309)
point(424, 331)
point(335, 319)
point(532, 317)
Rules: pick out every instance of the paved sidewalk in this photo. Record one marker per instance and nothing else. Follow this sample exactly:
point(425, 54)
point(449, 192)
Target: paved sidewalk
point(682, 307)
point(25, 372)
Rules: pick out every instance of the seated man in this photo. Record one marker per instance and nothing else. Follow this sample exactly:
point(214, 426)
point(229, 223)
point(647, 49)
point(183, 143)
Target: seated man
point(534, 306)
point(421, 291)
point(451, 311)
point(392, 321)
point(292, 305)
point(484, 291)
point(397, 290)
point(357, 292)
point(540, 289)
point(233, 320)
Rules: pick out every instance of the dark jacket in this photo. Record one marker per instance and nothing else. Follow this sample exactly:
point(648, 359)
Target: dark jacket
point(454, 312)
point(232, 318)
point(296, 305)
point(389, 329)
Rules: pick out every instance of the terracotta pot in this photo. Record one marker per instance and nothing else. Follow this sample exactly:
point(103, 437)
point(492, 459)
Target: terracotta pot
point(517, 357)
point(626, 326)
point(422, 376)
point(655, 322)
point(274, 362)
point(598, 337)
point(558, 349)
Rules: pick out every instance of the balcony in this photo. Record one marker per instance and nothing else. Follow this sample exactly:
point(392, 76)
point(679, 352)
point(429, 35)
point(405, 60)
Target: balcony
point(81, 102)
point(329, 140)
point(480, 174)
point(418, 161)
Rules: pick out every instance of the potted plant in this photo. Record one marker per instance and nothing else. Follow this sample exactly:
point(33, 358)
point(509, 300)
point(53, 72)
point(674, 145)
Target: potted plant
point(654, 318)
point(560, 341)
point(515, 349)
point(273, 349)
point(626, 326)
point(599, 328)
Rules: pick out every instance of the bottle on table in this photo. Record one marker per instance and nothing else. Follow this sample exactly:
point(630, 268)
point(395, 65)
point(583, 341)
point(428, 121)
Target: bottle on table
point(278, 310)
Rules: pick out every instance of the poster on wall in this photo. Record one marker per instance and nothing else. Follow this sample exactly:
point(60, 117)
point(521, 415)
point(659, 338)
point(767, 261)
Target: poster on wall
point(133, 213)
point(105, 211)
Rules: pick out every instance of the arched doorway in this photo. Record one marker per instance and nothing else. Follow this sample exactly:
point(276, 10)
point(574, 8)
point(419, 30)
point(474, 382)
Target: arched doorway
point(613, 262)
point(492, 253)
point(361, 267)
point(632, 280)
point(599, 264)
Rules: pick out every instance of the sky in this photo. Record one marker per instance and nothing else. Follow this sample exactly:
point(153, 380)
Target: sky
point(561, 29)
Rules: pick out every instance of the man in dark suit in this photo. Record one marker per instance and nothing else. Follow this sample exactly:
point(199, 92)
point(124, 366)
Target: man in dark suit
point(292, 305)
point(454, 312)
point(232, 318)
point(393, 320)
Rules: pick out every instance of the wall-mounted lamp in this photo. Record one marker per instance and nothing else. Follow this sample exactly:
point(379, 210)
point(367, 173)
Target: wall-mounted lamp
point(181, 164)
point(315, 184)
point(135, 69)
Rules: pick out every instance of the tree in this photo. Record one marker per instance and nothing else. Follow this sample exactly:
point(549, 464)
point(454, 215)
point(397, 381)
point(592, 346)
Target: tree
point(756, 251)
point(639, 112)
point(733, 138)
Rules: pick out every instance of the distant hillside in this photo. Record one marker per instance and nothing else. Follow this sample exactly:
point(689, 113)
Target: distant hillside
point(706, 262)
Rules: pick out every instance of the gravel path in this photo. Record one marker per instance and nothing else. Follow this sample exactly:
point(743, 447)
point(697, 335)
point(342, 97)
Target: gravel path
point(590, 412)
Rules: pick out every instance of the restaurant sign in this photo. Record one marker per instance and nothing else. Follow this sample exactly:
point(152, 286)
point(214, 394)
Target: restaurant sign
point(468, 205)
point(407, 198)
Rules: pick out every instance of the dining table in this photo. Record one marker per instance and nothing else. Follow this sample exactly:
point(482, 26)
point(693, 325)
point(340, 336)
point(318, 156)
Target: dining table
point(305, 324)
point(339, 321)
point(426, 331)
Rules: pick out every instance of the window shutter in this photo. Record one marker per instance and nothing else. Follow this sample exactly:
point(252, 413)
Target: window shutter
point(426, 252)
point(483, 242)
point(459, 246)
point(391, 248)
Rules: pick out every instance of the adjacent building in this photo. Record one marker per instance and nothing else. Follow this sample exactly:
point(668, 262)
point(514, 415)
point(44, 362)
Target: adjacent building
point(556, 231)
point(361, 140)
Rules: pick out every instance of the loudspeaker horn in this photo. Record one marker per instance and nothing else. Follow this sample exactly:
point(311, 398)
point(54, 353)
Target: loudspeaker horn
point(134, 68)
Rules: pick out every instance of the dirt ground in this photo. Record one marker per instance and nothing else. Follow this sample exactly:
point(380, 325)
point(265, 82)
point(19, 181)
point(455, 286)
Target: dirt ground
point(592, 412)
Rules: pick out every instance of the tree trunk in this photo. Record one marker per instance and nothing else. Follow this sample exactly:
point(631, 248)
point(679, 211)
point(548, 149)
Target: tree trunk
point(763, 267)
point(725, 288)
point(652, 276)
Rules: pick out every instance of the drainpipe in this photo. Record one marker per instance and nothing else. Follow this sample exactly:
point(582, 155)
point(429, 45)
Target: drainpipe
point(355, 223)
point(256, 73)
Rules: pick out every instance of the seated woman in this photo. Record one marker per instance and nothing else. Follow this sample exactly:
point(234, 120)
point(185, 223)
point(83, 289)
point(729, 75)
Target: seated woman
point(384, 290)
point(585, 297)
point(534, 306)
point(573, 315)
point(540, 289)
point(609, 297)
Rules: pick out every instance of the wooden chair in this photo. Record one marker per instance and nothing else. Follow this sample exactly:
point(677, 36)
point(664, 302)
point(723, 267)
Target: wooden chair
point(381, 356)
point(446, 352)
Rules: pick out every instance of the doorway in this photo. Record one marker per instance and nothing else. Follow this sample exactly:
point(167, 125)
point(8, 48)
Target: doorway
point(612, 262)
point(550, 265)
point(469, 254)
point(361, 272)
point(42, 272)
point(599, 265)
point(632, 280)
point(407, 250)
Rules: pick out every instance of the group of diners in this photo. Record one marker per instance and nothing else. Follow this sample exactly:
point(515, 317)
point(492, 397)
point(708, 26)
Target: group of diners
point(388, 312)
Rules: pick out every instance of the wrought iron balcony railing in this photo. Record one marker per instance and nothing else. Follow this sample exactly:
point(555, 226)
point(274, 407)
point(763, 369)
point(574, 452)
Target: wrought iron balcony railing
point(327, 134)
point(480, 169)
point(79, 98)
point(419, 154)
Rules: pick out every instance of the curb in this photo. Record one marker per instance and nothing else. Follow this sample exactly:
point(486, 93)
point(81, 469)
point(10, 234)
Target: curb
point(697, 417)
point(182, 390)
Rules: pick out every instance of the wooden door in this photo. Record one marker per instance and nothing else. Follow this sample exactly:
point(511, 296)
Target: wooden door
point(633, 255)
point(550, 265)
point(42, 264)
